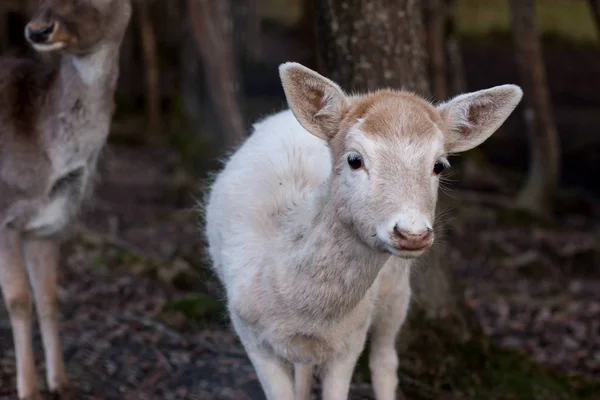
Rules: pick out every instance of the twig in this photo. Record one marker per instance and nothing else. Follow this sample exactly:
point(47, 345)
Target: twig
point(522, 259)
point(575, 248)
point(157, 326)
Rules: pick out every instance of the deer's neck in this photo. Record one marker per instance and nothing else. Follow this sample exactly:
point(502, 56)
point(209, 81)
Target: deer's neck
point(92, 78)
point(332, 268)
point(80, 108)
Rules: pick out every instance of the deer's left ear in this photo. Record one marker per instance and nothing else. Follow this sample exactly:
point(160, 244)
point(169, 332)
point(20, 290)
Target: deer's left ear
point(317, 102)
point(471, 118)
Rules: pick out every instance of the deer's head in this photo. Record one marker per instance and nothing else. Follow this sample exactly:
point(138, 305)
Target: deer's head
point(77, 26)
point(388, 149)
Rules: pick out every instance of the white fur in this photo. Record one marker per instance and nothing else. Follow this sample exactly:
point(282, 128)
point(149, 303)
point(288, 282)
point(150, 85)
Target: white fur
point(43, 48)
point(50, 219)
point(92, 67)
point(248, 248)
point(302, 244)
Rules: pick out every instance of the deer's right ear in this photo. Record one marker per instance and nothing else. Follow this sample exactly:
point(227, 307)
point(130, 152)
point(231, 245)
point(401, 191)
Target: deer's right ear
point(317, 102)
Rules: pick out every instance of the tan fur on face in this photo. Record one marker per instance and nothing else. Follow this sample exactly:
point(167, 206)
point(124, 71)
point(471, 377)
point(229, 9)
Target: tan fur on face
point(385, 110)
point(388, 113)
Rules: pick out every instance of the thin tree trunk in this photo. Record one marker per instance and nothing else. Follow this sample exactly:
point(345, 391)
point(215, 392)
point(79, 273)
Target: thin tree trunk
point(435, 18)
point(369, 44)
point(213, 29)
point(539, 191)
point(3, 30)
point(247, 35)
point(307, 27)
point(456, 70)
point(127, 90)
point(595, 8)
point(147, 35)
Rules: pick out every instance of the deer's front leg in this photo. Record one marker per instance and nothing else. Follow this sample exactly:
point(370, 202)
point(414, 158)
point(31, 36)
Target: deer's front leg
point(17, 297)
point(42, 257)
point(337, 373)
point(274, 374)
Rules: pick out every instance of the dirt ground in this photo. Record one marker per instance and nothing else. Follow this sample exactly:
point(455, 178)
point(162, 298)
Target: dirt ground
point(534, 289)
point(134, 326)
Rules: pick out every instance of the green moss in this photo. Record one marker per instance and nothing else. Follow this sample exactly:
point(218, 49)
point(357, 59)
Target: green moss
point(494, 373)
point(479, 370)
point(198, 308)
point(435, 365)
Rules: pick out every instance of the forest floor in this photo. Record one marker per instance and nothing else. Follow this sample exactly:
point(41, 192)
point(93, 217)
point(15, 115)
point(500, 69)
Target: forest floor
point(139, 319)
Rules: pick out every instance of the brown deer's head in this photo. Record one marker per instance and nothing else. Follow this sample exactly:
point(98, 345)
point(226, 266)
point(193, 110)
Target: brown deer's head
point(77, 26)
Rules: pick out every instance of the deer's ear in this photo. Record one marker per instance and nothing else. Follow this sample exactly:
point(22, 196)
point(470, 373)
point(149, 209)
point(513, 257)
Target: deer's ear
point(317, 102)
point(473, 117)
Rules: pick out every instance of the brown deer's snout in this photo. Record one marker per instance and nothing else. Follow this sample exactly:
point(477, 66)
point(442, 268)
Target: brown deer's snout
point(412, 240)
point(40, 33)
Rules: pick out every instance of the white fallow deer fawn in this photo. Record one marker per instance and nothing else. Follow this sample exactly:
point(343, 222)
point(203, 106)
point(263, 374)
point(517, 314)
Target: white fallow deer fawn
point(315, 220)
point(54, 122)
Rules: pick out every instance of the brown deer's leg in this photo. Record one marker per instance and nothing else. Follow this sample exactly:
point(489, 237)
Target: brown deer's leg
point(17, 297)
point(42, 257)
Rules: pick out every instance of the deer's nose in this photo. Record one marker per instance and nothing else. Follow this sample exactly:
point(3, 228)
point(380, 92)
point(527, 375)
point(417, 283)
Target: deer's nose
point(412, 240)
point(40, 33)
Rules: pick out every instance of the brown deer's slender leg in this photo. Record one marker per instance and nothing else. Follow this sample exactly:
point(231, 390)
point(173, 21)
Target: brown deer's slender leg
point(17, 297)
point(42, 257)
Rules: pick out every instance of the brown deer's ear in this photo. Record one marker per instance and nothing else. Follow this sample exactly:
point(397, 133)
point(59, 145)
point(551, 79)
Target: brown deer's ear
point(317, 102)
point(473, 117)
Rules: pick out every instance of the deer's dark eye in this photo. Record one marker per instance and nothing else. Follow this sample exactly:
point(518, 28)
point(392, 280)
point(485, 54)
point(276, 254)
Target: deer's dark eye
point(355, 161)
point(438, 167)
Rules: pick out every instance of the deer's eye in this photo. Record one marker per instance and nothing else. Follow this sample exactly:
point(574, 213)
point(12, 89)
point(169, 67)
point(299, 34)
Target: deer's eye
point(439, 167)
point(355, 161)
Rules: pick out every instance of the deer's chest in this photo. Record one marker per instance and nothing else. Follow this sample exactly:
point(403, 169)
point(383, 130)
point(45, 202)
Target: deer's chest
point(63, 200)
point(73, 155)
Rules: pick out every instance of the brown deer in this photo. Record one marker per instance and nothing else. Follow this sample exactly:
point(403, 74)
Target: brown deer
point(54, 122)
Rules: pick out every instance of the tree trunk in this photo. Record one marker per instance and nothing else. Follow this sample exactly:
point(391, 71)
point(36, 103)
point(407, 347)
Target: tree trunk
point(369, 44)
point(595, 9)
point(213, 29)
point(247, 32)
point(147, 36)
point(540, 189)
point(456, 68)
point(435, 18)
point(366, 44)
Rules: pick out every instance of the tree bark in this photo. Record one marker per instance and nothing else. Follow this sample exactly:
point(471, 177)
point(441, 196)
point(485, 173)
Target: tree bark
point(153, 112)
point(366, 44)
point(247, 37)
point(370, 44)
point(538, 194)
point(213, 29)
point(435, 18)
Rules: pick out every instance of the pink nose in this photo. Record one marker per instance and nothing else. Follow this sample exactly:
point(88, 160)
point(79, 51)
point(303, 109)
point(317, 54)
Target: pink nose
point(408, 240)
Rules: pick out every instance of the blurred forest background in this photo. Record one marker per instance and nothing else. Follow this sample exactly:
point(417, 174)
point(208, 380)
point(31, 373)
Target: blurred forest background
point(506, 307)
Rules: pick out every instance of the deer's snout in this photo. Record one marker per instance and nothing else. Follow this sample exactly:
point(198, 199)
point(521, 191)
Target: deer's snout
point(40, 32)
point(412, 239)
